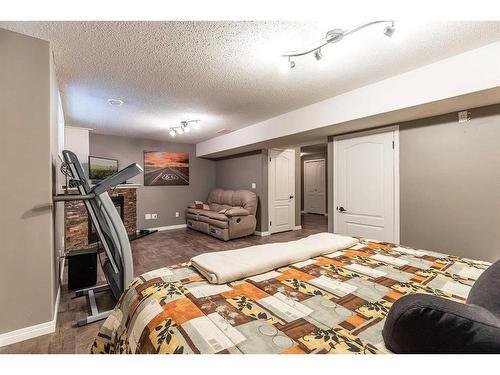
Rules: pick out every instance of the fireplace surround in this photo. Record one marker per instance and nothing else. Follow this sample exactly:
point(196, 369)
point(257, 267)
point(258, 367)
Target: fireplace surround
point(79, 235)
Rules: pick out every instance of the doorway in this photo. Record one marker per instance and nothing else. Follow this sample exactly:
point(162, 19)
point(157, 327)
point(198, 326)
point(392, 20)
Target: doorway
point(314, 181)
point(315, 186)
point(281, 190)
point(366, 184)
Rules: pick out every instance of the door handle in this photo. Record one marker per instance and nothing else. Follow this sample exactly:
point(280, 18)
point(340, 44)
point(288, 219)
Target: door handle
point(291, 196)
point(341, 209)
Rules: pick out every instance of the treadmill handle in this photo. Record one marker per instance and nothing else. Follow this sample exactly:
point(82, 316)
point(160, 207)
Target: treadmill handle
point(72, 197)
point(117, 178)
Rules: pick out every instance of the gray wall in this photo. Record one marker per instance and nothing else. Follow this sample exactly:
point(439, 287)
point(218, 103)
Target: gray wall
point(163, 200)
point(28, 273)
point(239, 172)
point(449, 184)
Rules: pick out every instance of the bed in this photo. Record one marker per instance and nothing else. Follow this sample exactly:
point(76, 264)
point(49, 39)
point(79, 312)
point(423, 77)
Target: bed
point(333, 303)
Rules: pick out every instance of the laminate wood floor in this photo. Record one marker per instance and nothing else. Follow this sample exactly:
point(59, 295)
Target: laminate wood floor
point(154, 251)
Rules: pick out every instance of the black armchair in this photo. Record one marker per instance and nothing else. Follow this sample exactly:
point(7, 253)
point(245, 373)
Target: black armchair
point(421, 323)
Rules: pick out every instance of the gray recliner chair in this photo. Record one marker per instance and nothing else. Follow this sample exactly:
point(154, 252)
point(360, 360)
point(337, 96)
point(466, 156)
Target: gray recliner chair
point(230, 214)
point(428, 324)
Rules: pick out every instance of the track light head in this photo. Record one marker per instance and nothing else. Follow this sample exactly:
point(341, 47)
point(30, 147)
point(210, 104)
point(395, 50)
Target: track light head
point(318, 55)
point(287, 64)
point(389, 30)
point(172, 133)
point(180, 130)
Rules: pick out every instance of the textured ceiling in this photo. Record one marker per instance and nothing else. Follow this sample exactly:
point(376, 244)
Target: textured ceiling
point(225, 73)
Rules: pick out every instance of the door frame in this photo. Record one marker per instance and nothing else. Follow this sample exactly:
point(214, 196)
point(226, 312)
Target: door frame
point(326, 184)
point(270, 196)
point(395, 130)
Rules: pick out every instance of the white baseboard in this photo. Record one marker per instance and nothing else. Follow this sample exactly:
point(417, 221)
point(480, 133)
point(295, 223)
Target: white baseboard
point(297, 227)
point(262, 234)
point(38, 329)
point(28, 333)
point(169, 227)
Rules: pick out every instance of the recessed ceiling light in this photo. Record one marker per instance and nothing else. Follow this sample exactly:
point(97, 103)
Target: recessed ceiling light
point(224, 131)
point(115, 102)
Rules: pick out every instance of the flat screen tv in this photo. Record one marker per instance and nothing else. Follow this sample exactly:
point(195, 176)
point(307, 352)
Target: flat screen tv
point(100, 168)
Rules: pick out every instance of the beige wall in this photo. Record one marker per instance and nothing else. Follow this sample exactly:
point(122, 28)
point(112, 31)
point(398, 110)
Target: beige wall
point(449, 184)
point(27, 268)
point(163, 200)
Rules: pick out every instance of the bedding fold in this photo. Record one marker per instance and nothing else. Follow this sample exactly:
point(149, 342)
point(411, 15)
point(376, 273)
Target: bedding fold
point(226, 266)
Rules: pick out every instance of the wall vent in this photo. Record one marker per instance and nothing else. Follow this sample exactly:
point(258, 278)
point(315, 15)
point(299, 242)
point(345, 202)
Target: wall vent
point(224, 131)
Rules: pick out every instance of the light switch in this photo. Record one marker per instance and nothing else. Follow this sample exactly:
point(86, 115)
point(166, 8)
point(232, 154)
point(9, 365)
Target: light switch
point(154, 216)
point(147, 216)
point(176, 214)
point(254, 185)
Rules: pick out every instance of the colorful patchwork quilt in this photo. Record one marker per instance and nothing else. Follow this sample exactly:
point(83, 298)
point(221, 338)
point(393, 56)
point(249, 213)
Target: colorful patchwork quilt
point(336, 303)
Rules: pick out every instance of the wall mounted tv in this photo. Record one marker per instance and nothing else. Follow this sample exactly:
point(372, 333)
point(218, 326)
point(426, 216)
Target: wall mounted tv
point(100, 168)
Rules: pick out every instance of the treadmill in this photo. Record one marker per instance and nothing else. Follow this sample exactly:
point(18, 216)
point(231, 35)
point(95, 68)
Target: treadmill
point(117, 265)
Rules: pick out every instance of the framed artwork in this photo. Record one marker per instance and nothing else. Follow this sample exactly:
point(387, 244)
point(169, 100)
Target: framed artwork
point(166, 168)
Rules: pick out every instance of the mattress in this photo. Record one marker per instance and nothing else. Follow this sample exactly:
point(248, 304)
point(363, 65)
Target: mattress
point(335, 303)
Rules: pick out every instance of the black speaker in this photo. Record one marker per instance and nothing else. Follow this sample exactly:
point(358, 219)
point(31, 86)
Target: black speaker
point(82, 268)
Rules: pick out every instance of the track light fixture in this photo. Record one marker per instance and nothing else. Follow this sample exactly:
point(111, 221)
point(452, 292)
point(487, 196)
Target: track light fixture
point(184, 127)
point(333, 36)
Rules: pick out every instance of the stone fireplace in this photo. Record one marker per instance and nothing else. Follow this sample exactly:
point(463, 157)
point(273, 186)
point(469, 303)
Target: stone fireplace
point(79, 231)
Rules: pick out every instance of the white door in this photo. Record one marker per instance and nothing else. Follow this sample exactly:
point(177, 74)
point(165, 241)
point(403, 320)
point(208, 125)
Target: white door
point(281, 190)
point(366, 185)
point(314, 186)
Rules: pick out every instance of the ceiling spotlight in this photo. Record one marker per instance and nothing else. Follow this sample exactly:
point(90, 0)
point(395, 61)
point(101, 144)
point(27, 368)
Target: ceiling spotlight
point(172, 132)
point(180, 130)
point(287, 64)
point(318, 55)
point(389, 30)
point(116, 102)
point(187, 128)
point(196, 125)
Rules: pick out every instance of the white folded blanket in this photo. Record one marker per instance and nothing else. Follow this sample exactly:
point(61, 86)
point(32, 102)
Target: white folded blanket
point(225, 266)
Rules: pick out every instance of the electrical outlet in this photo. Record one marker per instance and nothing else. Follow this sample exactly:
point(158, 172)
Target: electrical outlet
point(177, 214)
point(254, 185)
point(147, 216)
point(154, 216)
point(464, 116)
